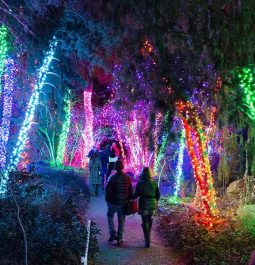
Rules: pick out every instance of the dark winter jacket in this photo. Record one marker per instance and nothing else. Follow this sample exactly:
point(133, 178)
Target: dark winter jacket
point(148, 193)
point(103, 158)
point(95, 167)
point(118, 189)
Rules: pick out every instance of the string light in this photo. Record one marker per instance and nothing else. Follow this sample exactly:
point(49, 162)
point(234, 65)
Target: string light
point(10, 70)
point(138, 158)
point(147, 47)
point(3, 50)
point(121, 145)
point(163, 145)
point(246, 79)
point(218, 84)
point(33, 102)
point(156, 134)
point(64, 132)
point(180, 164)
point(195, 139)
point(134, 144)
point(211, 125)
point(88, 130)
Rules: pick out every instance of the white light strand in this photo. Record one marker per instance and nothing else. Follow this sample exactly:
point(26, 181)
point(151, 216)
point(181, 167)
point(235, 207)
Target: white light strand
point(84, 259)
point(23, 134)
point(7, 109)
point(180, 164)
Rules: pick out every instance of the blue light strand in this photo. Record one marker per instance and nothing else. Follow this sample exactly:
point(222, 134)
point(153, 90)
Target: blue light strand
point(23, 134)
point(180, 164)
point(7, 109)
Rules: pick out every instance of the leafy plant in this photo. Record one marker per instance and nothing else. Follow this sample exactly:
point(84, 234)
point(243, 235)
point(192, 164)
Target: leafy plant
point(226, 243)
point(56, 232)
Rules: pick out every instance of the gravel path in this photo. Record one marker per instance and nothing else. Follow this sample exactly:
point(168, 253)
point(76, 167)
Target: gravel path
point(133, 251)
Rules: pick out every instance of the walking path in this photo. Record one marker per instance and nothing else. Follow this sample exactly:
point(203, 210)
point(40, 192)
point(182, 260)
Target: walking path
point(133, 251)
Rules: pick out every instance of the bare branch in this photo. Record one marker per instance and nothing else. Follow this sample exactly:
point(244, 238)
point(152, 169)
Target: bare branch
point(8, 11)
point(22, 227)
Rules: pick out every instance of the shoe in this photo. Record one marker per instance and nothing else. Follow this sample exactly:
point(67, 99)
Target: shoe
point(112, 238)
point(120, 243)
point(146, 232)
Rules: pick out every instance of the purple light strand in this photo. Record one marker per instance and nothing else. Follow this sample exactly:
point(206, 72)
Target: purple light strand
point(7, 109)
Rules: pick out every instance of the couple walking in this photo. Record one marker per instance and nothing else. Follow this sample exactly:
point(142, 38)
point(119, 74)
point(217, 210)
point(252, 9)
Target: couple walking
point(119, 190)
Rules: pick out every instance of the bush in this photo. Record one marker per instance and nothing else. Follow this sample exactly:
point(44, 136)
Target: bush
point(225, 243)
point(56, 232)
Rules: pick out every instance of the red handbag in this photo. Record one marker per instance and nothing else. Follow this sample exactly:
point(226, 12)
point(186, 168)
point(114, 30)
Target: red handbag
point(131, 207)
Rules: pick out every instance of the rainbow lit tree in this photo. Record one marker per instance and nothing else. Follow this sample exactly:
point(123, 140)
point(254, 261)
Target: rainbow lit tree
point(196, 145)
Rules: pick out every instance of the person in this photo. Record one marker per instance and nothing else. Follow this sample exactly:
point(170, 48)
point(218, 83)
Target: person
point(107, 154)
point(95, 167)
point(112, 159)
point(148, 192)
point(118, 191)
point(116, 149)
point(92, 151)
point(104, 160)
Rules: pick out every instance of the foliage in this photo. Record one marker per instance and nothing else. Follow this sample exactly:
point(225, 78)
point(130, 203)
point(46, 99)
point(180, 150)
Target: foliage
point(225, 243)
point(56, 232)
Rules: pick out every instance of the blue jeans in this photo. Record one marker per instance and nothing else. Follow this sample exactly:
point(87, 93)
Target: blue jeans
point(112, 209)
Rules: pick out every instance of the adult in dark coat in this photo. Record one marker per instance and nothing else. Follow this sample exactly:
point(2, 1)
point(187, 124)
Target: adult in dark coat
point(92, 151)
point(95, 167)
point(118, 191)
point(112, 159)
point(104, 160)
point(148, 192)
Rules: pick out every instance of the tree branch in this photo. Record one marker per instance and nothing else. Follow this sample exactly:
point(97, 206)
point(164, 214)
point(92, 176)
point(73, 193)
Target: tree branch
point(22, 227)
point(15, 16)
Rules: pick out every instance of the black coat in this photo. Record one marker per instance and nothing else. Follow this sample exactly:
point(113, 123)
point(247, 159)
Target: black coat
point(148, 192)
point(118, 189)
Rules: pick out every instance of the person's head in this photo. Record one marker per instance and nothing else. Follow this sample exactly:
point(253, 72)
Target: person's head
point(108, 147)
point(95, 155)
point(118, 166)
point(146, 173)
point(101, 147)
point(114, 145)
point(112, 154)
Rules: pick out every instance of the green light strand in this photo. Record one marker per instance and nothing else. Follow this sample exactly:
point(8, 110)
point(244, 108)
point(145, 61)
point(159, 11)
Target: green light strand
point(247, 85)
point(64, 132)
point(3, 51)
